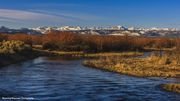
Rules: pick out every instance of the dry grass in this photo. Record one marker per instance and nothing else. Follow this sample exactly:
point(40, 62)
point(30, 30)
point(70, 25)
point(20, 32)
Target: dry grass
point(87, 55)
point(153, 66)
point(114, 54)
point(15, 51)
point(172, 87)
point(158, 49)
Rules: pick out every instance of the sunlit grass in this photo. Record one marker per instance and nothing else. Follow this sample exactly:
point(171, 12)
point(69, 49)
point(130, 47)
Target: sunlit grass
point(153, 66)
point(172, 87)
point(110, 54)
point(88, 55)
point(158, 49)
point(15, 51)
point(12, 47)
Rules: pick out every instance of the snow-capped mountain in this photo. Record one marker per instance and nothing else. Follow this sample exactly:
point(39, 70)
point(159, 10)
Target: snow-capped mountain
point(114, 30)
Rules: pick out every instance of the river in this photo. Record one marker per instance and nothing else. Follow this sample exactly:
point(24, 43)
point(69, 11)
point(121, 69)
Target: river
point(58, 79)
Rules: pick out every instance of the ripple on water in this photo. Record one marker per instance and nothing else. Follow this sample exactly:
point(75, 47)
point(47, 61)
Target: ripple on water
point(57, 79)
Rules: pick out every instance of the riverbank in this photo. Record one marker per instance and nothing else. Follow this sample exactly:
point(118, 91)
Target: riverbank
point(16, 58)
point(166, 66)
point(15, 51)
point(171, 87)
point(82, 54)
point(152, 66)
point(7, 58)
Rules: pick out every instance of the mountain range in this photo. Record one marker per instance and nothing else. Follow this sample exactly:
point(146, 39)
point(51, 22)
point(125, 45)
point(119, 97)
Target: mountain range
point(115, 30)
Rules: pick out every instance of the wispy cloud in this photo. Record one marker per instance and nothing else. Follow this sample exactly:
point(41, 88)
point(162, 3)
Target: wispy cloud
point(70, 15)
point(55, 5)
point(37, 17)
point(40, 15)
point(11, 15)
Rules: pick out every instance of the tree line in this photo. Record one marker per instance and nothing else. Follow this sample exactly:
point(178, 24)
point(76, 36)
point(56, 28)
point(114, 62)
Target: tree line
point(67, 41)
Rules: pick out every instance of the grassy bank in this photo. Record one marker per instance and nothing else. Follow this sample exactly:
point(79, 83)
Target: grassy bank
point(172, 87)
point(15, 58)
point(152, 66)
point(15, 51)
point(84, 54)
point(89, 55)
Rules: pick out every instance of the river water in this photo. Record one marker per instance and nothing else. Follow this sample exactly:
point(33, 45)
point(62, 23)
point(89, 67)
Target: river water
point(57, 79)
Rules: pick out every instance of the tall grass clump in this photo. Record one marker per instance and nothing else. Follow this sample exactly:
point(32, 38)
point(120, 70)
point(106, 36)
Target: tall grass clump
point(12, 47)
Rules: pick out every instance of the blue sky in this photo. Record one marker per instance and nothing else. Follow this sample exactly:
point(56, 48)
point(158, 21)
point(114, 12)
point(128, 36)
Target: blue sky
point(138, 13)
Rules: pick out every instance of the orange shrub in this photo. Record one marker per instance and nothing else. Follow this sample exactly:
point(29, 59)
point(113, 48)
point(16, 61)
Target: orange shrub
point(68, 41)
